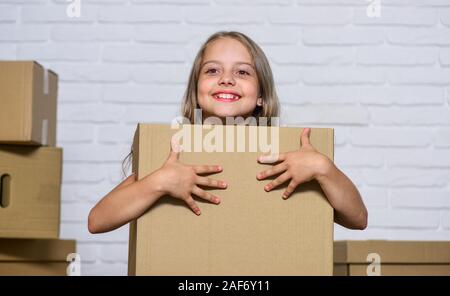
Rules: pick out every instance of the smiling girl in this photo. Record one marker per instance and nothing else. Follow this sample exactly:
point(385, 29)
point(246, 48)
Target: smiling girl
point(230, 77)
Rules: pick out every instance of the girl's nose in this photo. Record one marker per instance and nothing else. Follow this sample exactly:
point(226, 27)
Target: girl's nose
point(227, 80)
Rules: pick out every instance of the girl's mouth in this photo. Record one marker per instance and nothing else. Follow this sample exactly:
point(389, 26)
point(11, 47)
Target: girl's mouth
point(226, 97)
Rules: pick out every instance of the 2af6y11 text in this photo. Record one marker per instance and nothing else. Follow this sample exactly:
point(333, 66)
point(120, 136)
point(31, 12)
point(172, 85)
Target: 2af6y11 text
point(231, 285)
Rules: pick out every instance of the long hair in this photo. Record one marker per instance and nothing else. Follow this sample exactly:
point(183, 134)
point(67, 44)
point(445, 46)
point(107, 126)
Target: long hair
point(270, 103)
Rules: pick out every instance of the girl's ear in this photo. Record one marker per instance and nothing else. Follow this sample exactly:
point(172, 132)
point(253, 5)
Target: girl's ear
point(259, 102)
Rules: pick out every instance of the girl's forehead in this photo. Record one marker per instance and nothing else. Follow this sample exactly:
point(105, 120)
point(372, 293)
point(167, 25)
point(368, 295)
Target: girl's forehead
point(227, 50)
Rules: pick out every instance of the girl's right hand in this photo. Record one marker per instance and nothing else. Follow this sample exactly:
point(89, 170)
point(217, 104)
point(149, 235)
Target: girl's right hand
point(180, 181)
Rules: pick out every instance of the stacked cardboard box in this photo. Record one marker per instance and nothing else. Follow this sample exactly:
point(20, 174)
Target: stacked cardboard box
point(30, 164)
point(391, 258)
point(251, 232)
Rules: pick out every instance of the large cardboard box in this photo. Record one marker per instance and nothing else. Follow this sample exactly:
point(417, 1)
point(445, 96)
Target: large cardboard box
point(35, 256)
point(30, 191)
point(251, 232)
point(28, 103)
point(391, 258)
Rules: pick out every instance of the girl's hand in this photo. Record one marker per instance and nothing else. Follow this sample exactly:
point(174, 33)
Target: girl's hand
point(298, 166)
point(180, 181)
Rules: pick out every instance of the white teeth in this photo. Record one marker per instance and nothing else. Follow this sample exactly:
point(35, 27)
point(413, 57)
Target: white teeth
point(227, 96)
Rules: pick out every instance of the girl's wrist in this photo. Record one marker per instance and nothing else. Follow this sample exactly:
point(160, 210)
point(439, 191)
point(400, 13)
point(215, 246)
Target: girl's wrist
point(155, 184)
point(324, 167)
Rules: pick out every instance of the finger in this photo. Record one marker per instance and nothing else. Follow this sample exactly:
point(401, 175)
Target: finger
point(193, 205)
point(278, 181)
point(275, 170)
point(173, 156)
point(204, 181)
point(304, 139)
point(291, 187)
point(205, 195)
point(272, 158)
point(207, 169)
point(175, 150)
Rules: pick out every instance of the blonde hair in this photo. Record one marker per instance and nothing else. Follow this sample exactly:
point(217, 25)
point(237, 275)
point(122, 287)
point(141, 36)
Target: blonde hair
point(270, 103)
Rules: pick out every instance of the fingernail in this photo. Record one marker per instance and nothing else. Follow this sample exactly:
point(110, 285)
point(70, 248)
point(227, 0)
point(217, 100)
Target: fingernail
point(267, 187)
point(224, 184)
point(284, 196)
point(198, 212)
point(219, 168)
point(216, 200)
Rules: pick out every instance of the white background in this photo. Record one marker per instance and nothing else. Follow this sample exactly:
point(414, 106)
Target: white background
point(382, 83)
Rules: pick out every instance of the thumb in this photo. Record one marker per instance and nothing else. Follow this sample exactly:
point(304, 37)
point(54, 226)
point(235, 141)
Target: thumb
point(175, 150)
point(304, 139)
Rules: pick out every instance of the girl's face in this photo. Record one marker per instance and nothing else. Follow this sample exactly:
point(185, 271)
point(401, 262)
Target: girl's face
point(228, 84)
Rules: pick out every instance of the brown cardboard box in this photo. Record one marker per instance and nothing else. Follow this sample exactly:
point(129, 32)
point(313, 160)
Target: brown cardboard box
point(30, 191)
point(251, 232)
point(35, 256)
point(393, 257)
point(28, 103)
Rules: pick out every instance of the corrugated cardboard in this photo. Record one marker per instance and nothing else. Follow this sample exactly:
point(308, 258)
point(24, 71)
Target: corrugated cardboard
point(251, 232)
point(35, 256)
point(30, 191)
point(396, 257)
point(28, 97)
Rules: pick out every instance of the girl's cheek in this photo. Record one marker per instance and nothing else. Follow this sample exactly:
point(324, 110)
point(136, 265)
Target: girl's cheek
point(207, 83)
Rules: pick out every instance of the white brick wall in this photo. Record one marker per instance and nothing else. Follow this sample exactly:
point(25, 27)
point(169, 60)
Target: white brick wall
point(382, 83)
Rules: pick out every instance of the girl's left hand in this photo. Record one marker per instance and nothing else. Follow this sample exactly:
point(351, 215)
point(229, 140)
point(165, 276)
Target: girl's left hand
point(298, 166)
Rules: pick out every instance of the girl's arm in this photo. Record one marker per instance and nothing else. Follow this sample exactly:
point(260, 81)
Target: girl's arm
point(126, 202)
point(349, 209)
point(307, 164)
point(131, 198)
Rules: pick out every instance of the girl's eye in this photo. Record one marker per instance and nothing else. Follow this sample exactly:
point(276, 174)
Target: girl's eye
point(243, 72)
point(211, 71)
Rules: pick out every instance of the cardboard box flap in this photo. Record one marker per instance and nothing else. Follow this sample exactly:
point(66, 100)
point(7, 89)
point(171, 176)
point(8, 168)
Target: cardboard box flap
point(45, 92)
point(392, 251)
point(252, 232)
